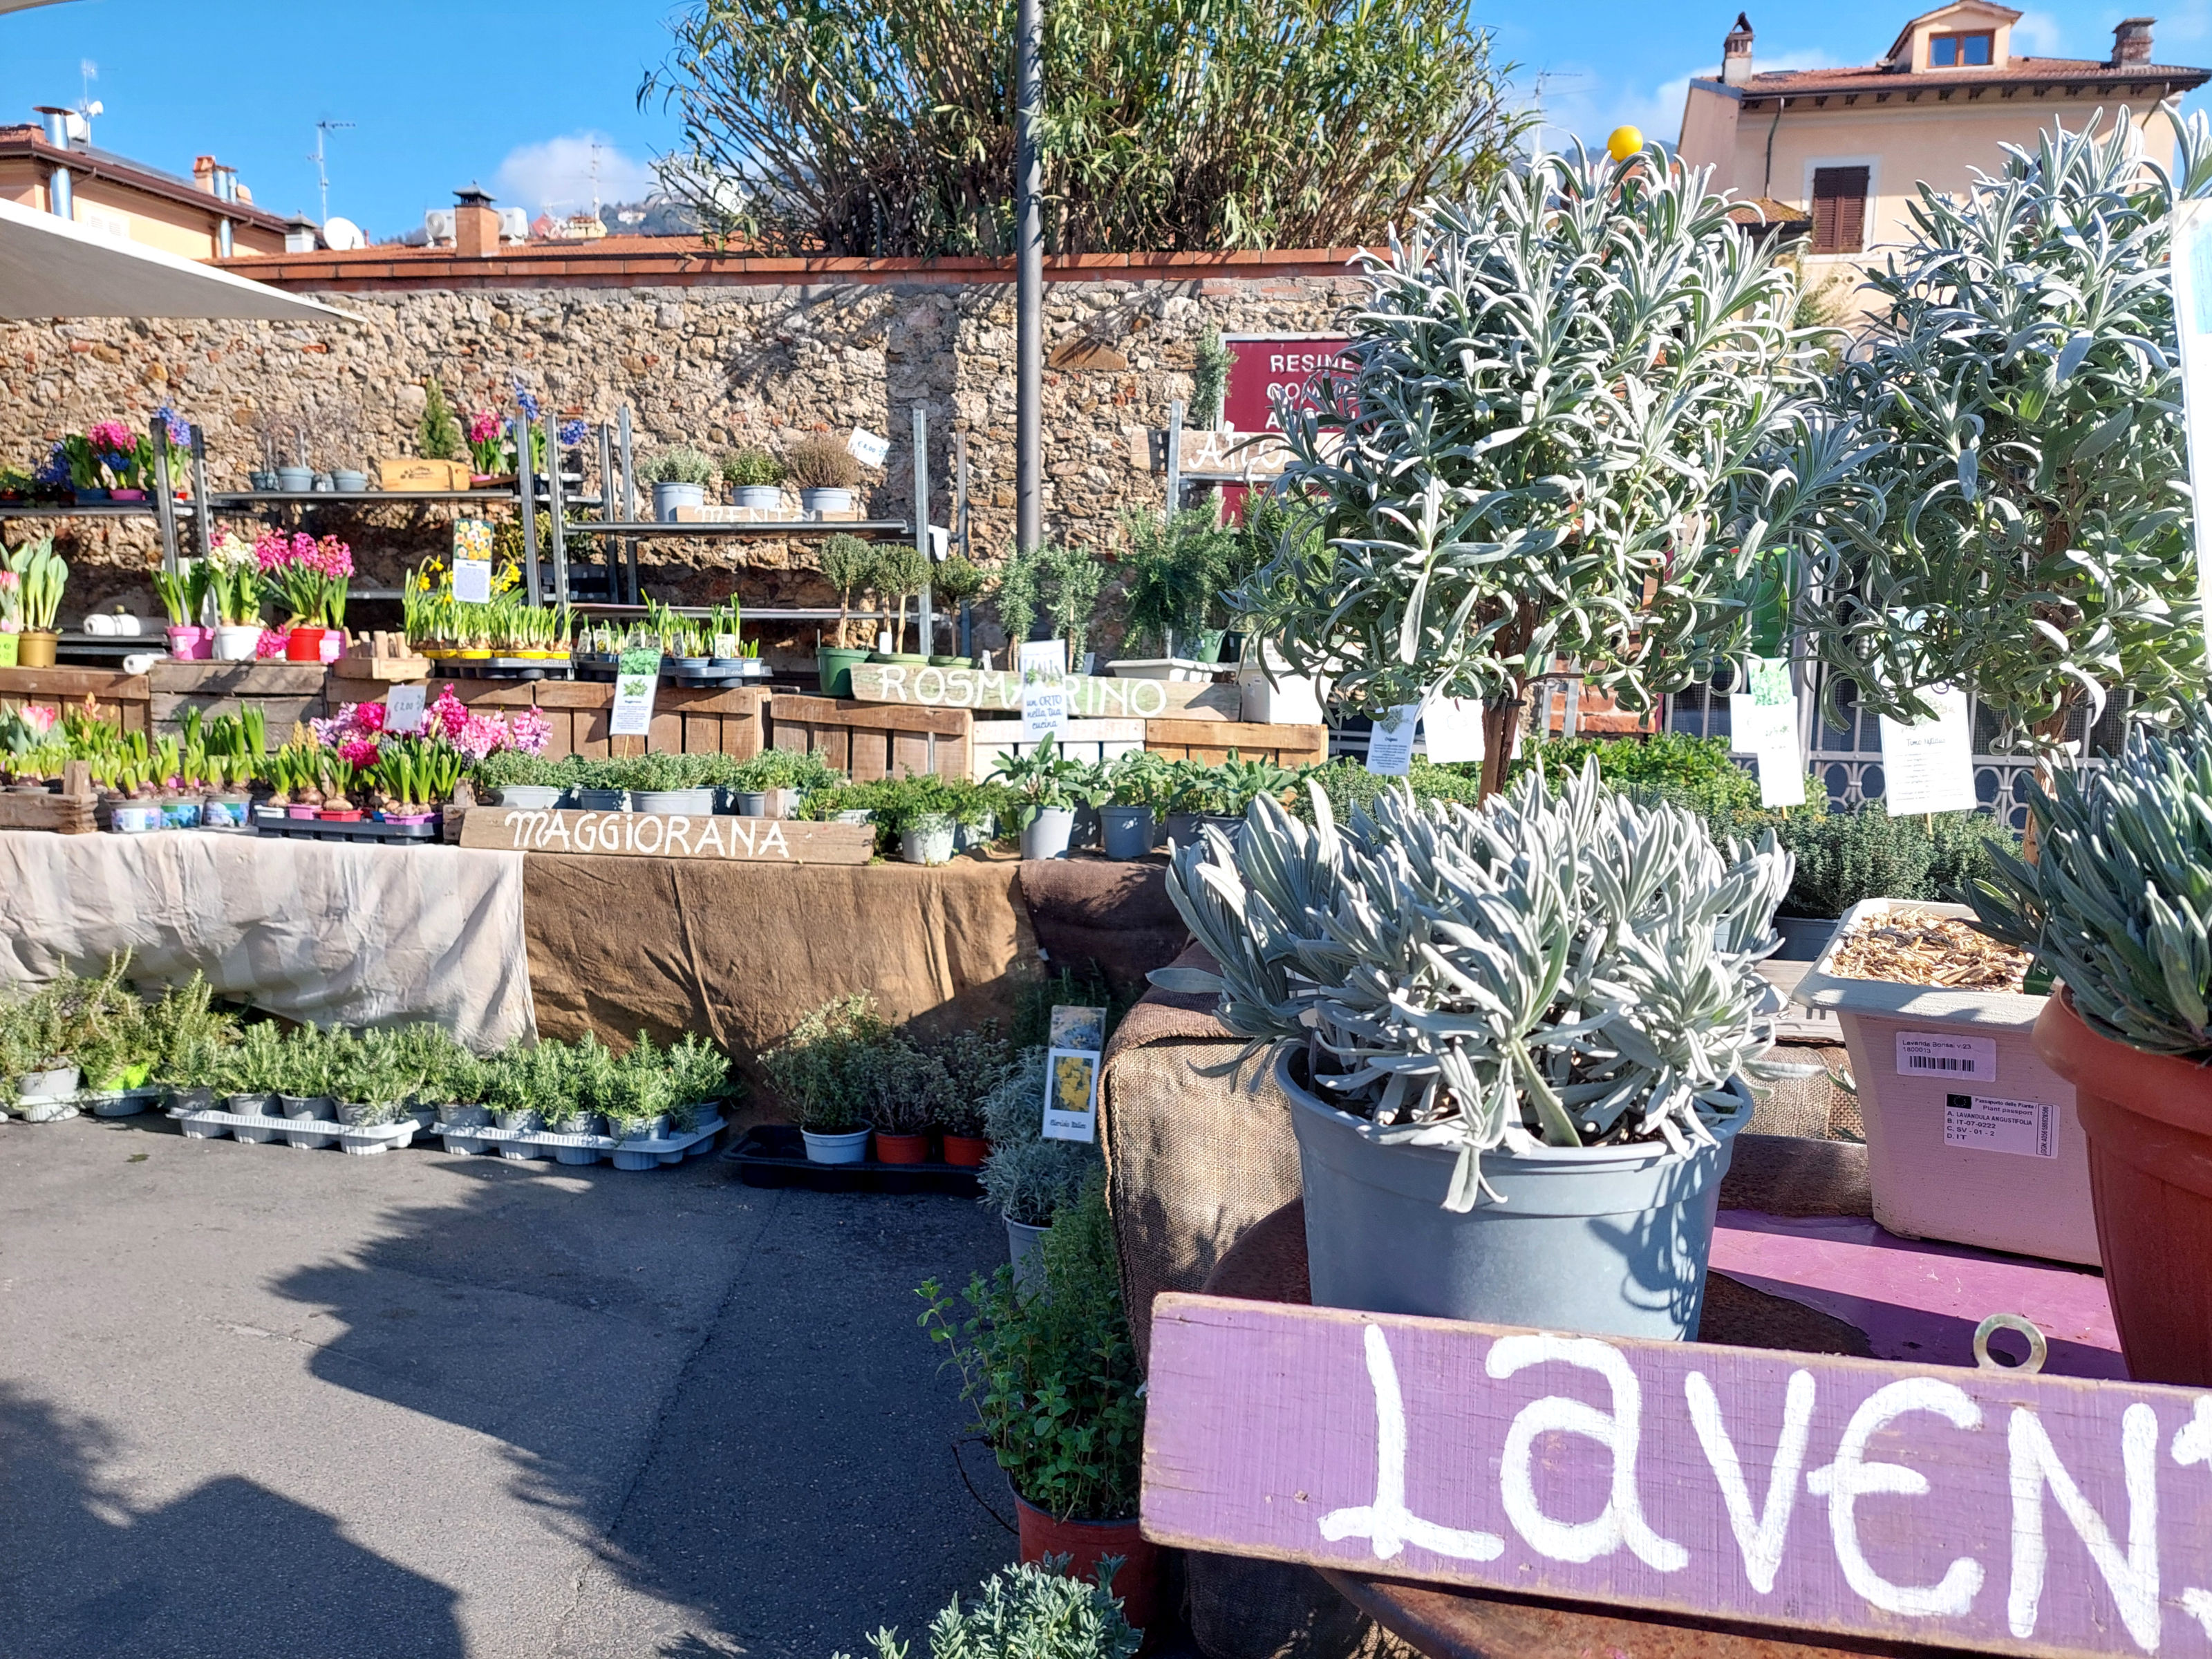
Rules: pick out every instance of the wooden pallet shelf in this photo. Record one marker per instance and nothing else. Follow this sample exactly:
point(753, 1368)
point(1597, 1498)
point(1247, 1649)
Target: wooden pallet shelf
point(872, 741)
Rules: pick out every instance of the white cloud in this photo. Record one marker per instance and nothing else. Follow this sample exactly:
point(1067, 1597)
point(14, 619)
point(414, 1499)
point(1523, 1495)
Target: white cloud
point(556, 174)
point(2037, 33)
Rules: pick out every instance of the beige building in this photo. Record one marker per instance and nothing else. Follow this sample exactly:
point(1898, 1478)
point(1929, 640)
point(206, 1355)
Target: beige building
point(50, 166)
point(1846, 148)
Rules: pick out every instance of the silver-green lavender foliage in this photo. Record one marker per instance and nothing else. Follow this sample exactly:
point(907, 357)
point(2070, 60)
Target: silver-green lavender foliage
point(1565, 967)
point(1027, 1612)
point(2024, 527)
point(2119, 900)
point(1576, 413)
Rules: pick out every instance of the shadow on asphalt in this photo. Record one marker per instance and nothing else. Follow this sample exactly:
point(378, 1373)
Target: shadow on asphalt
point(229, 1569)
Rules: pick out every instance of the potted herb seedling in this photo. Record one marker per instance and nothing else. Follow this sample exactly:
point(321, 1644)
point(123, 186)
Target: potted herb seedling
point(679, 477)
point(251, 1071)
point(1074, 1469)
point(2114, 907)
point(907, 1089)
point(572, 1089)
point(42, 573)
point(187, 1036)
point(1042, 782)
point(1517, 1079)
point(826, 474)
point(510, 777)
point(820, 1073)
point(511, 1087)
point(640, 1096)
point(848, 565)
point(663, 783)
point(927, 838)
point(757, 477)
point(1140, 783)
point(976, 1063)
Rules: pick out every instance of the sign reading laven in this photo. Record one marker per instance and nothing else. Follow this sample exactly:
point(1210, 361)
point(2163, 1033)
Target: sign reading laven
point(1986, 1510)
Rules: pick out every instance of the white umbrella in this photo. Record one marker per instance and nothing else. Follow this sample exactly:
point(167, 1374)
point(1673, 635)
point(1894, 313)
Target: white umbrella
point(51, 267)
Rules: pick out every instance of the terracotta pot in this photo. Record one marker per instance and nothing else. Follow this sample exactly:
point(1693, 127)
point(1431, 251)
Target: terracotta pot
point(34, 648)
point(1136, 1585)
point(967, 1152)
point(2148, 1118)
point(902, 1149)
point(304, 644)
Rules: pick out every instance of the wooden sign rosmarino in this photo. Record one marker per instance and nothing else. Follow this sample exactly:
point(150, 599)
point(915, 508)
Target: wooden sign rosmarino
point(1985, 1509)
point(709, 838)
point(1089, 696)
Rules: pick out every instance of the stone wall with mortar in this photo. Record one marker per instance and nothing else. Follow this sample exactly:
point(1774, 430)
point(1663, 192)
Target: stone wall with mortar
point(715, 366)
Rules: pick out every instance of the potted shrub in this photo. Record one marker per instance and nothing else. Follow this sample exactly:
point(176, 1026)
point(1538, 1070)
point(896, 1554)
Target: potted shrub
point(756, 476)
point(1515, 1080)
point(187, 1036)
point(848, 565)
point(826, 474)
point(511, 1088)
point(2114, 907)
point(1027, 1179)
point(679, 477)
point(976, 1063)
point(598, 786)
point(184, 595)
point(669, 783)
point(902, 572)
point(234, 580)
point(926, 838)
point(40, 575)
point(513, 777)
point(1179, 566)
point(1138, 785)
point(248, 1078)
point(1075, 1468)
point(957, 583)
point(907, 1089)
point(1058, 585)
point(638, 1095)
point(822, 1071)
point(1043, 783)
point(1030, 1612)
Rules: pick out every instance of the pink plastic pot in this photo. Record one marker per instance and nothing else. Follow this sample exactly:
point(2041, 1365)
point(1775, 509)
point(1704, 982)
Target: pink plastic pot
point(190, 644)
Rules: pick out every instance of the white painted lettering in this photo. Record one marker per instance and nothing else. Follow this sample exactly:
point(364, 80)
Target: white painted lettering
point(2133, 1579)
point(1851, 1477)
point(1622, 1521)
point(2192, 1444)
point(710, 834)
point(960, 688)
point(1148, 698)
point(741, 830)
point(773, 842)
point(556, 830)
point(894, 683)
point(643, 821)
point(679, 835)
point(929, 686)
point(587, 833)
point(1386, 1523)
point(1760, 1536)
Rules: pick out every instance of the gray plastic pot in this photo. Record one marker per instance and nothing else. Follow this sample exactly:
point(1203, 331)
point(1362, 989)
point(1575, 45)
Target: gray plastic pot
point(825, 500)
point(1025, 1250)
point(248, 1105)
point(694, 803)
point(758, 496)
point(1610, 1240)
point(667, 497)
point(529, 797)
point(296, 480)
point(748, 802)
point(60, 1083)
point(927, 843)
point(603, 801)
point(1182, 829)
point(1127, 831)
point(320, 1109)
point(846, 1147)
point(1045, 836)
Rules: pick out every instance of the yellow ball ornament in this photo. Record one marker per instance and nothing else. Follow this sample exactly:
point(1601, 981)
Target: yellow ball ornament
point(1624, 142)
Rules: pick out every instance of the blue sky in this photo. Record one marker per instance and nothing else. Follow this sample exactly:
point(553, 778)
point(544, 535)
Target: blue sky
point(514, 96)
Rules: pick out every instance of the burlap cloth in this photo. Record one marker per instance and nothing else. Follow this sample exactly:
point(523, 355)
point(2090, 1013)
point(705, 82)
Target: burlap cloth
point(1111, 914)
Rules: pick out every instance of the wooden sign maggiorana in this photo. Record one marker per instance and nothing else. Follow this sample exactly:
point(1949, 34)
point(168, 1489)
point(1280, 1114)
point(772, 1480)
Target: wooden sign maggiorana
point(1985, 1509)
point(710, 838)
point(1089, 696)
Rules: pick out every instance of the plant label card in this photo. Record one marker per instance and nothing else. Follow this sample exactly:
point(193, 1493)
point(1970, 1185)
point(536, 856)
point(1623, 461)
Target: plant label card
point(726, 645)
point(1453, 727)
point(2027, 1128)
point(1763, 722)
point(867, 448)
point(1928, 766)
point(1077, 1026)
point(1071, 1101)
point(1947, 1053)
point(635, 681)
point(2192, 315)
point(1390, 744)
point(472, 582)
point(1044, 668)
point(403, 709)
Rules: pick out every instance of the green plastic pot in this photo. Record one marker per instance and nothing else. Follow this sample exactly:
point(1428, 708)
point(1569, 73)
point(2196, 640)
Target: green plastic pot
point(835, 665)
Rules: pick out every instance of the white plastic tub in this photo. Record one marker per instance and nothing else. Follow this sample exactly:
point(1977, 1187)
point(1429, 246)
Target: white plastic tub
point(1971, 1138)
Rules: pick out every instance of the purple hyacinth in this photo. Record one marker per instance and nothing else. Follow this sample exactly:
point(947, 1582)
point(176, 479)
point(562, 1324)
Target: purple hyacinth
point(526, 401)
point(56, 471)
point(179, 429)
point(572, 433)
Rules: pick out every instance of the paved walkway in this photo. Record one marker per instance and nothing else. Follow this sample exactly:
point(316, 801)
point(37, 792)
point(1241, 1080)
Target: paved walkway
point(256, 1401)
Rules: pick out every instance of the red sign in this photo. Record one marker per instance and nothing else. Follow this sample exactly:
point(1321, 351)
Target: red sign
point(1262, 364)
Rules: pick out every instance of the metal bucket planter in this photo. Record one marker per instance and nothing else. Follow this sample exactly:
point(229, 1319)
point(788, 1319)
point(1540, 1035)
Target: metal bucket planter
point(851, 1148)
point(1611, 1240)
point(1127, 831)
point(1046, 835)
point(527, 797)
point(930, 840)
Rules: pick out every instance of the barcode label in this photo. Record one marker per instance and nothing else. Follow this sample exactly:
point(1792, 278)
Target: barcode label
point(2027, 1128)
point(1942, 1054)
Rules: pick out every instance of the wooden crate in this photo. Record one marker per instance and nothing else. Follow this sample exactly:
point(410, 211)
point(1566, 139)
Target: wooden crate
point(684, 722)
point(285, 692)
point(1212, 740)
point(872, 740)
point(124, 699)
point(1089, 741)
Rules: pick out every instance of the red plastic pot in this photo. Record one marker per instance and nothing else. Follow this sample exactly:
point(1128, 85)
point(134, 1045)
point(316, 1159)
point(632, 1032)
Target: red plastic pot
point(902, 1149)
point(304, 644)
point(1136, 1583)
point(2148, 1118)
point(967, 1152)
point(329, 816)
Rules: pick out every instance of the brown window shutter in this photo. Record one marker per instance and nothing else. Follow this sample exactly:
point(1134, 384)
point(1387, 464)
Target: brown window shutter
point(1839, 199)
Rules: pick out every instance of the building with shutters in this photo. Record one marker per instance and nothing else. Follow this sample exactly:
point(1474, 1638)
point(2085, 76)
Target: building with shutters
point(1845, 149)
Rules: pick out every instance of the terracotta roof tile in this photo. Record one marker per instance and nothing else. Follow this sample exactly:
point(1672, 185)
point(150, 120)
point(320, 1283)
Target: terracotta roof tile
point(2021, 71)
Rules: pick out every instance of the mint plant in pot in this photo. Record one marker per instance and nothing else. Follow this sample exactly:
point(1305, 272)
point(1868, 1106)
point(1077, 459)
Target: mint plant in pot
point(1043, 783)
point(1513, 1040)
point(822, 1071)
point(1053, 1376)
point(757, 477)
point(2116, 906)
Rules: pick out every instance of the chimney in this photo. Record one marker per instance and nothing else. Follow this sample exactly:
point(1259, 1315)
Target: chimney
point(2131, 41)
point(204, 172)
point(299, 234)
point(476, 224)
point(1735, 53)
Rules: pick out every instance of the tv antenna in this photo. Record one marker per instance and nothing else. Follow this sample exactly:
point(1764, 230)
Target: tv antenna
point(322, 173)
point(595, 178)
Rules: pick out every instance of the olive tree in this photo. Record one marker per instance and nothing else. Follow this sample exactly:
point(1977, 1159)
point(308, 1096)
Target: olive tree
point(1573, 417)
point(2025, 531)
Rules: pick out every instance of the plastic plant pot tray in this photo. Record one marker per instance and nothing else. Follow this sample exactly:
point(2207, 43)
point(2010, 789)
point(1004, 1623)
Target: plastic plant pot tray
point(638, 1152)
point(714, 678)
point(301, 1134)
point(773, 1155)
point(275, 823)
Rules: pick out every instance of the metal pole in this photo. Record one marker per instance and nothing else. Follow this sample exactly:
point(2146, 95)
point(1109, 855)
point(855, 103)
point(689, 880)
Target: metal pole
point(965, 645)
point(165, 500)
point(201, 508)
point(629, 499)
point(525, 485)
point(1029, 279)
point(926, 614)
point(1174, 458)
point(607, 502)
point(560, 508)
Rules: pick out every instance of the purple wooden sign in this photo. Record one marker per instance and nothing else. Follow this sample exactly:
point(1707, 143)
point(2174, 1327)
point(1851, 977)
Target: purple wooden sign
point(1977, 1509)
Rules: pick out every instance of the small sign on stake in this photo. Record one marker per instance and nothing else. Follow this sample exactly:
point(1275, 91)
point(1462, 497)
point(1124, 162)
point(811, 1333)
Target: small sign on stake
point(1043, 665)
point(1928, 766)
point(403, 709)
point(472, 545)
point(638, 677)
point(1453, 727)
point(1070, 1077)
point(1390, 744)
point(1763, 722)
point(867, 448)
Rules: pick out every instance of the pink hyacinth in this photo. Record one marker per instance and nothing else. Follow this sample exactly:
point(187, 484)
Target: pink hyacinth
point(329, 557)
point(39, 717)
point(446, 716)
point(483, 428)
point(112, 438)
point(271, 643)
point(358, 751)
point(480, 735)
point(9, 582)
point(532, 731)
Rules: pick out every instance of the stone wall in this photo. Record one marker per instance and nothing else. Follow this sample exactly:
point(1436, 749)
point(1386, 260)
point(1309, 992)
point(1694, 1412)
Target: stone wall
point(717, 366)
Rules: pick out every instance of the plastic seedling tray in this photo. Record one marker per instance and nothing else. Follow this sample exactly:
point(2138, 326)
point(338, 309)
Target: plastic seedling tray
point(639, 1152)
point(305, 1133)
point(277, 824)
point(774, 1155)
